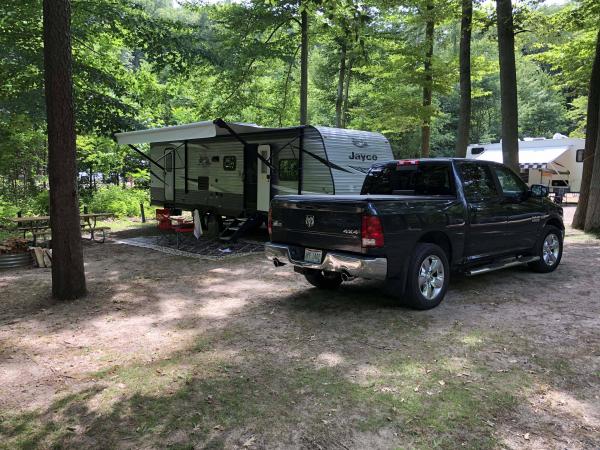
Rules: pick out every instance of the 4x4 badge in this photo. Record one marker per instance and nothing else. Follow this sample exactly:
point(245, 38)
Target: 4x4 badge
point(309, 221)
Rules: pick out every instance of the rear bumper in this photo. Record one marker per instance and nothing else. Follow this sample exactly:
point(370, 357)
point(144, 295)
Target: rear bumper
point(354, 265)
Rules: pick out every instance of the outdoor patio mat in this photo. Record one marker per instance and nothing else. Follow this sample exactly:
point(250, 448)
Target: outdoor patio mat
point(209, 249)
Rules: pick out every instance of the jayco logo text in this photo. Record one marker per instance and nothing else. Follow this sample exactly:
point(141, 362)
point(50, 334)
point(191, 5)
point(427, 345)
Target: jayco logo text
point(362, 157)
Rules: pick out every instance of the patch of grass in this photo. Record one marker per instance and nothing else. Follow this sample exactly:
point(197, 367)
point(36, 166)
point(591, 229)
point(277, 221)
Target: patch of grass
point(204, 395)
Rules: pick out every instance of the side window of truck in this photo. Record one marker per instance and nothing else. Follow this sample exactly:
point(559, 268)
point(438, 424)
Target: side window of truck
point(511, 185)
point(478, 183)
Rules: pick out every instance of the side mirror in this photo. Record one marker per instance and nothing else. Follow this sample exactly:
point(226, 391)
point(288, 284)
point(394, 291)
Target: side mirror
point(539, 191)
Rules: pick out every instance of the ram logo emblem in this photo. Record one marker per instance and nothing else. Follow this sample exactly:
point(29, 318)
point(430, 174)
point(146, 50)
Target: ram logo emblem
point(309, 221)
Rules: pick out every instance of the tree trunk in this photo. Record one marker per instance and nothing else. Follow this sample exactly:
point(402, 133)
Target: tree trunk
point(508, 85)
point(304, 69)
point(68, 276)
point(592, 217)
point(346, 93)
point(591, 129)
point(339, 99)
point(464, 112)
point(428, 82)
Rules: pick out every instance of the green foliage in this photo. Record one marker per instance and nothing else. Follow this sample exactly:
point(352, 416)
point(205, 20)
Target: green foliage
point(145, 63)
point(7, 209)
point(119, 201)
point(41, 203)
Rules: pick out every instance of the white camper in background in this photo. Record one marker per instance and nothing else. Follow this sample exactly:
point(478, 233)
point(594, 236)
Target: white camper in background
point(556, 163)
point(233, 170)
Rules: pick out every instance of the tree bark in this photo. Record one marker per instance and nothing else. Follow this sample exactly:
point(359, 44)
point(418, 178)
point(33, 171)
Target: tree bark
point(428, 81)
point(68, 276)
point(591, 130)
point(347, 93)
point(339, 99)
point(592, 217)
point(464, 110)
point(304, 69)
point(508, 85)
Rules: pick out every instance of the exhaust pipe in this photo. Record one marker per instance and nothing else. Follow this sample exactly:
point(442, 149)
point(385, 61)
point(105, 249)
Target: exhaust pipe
point(277, 263)
point(346, 276)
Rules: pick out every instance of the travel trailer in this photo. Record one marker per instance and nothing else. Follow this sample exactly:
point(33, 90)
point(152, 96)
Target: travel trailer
point(556, 163)
point(234, 169)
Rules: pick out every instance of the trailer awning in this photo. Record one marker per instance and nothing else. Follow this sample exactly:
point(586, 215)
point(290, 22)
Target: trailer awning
point(178, 133)
point(529, 158)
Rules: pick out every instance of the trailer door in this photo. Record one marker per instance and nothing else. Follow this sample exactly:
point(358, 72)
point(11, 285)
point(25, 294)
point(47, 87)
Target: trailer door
point(263, 192)
point(169, 175)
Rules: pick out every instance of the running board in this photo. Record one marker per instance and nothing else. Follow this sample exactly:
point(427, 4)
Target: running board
point(502, 265)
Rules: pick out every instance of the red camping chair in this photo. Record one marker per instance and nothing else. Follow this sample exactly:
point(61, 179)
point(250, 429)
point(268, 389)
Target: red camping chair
point(163, 217)
point(183, 229)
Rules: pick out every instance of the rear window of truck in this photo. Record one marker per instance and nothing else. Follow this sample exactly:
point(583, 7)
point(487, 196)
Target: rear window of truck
point(409, 179)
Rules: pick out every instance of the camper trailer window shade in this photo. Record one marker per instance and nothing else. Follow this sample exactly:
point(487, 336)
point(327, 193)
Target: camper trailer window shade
point(579, 155)
point(288, 170)
point(229, 162)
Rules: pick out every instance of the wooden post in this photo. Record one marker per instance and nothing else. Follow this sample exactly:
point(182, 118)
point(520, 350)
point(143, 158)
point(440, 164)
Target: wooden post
point(142, 211)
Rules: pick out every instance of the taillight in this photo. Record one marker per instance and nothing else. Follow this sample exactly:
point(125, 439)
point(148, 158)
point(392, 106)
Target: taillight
point(270, 222)
point(372, 231)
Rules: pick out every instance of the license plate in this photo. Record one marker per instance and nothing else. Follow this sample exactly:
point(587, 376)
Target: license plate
point(313, 256)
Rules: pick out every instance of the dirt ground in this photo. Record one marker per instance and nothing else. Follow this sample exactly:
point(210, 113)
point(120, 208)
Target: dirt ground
point(168, 351)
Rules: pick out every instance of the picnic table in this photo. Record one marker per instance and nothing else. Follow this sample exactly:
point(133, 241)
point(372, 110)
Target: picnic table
point(39, 226)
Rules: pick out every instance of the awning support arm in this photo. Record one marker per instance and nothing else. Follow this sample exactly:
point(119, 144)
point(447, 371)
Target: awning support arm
point(157, 177)
point(222, 124)
point(143, 155)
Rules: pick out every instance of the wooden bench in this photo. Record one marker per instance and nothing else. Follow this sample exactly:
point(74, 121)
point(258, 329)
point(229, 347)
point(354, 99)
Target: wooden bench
point(41, 234)
point(93, 232)
point(32, 230)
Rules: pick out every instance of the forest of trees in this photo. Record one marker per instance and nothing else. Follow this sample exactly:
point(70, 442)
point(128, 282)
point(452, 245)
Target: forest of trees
point(433, 75)
point(384, 66)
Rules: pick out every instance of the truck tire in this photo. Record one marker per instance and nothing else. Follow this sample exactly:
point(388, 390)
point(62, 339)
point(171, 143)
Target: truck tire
point(323, 280)
point(549, 249)
point(428, 277)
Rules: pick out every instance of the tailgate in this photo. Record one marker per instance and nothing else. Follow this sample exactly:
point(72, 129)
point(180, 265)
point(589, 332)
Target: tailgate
point(326, 223)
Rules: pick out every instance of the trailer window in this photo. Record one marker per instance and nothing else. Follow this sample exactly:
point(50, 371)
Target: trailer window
point(288, 170)
point(418, 179)
point(579, 155)
point(229, 162)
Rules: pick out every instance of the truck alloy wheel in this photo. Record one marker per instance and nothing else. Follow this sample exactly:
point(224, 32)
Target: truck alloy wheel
point(549, 249)
point(428, 277)
point(431, 277)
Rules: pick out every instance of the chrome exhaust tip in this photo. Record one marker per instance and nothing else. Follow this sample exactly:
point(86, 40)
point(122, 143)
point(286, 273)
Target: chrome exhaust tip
point(346, 276)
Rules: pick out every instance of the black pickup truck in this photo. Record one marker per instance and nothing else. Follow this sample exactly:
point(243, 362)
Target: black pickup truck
point(414, 222)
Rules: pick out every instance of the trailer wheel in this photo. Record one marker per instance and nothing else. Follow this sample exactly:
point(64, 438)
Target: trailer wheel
point(323, 279)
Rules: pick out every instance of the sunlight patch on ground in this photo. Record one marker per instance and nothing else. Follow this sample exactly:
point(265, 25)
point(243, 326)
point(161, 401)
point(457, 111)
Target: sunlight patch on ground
point(329, 359)
point(221, 308)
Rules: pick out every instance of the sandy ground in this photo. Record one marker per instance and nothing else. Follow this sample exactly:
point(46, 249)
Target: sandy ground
point(168, 351)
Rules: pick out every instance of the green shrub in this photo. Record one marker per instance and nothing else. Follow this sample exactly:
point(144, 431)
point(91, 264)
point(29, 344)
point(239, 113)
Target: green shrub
point(119, 201)
point(41, 203)
point(7, 210)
